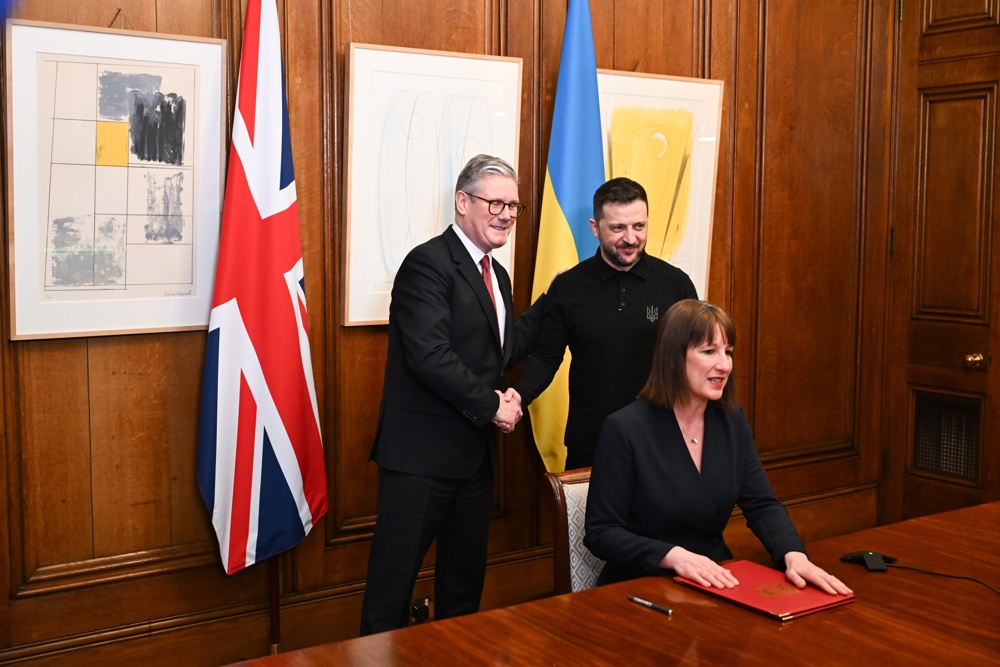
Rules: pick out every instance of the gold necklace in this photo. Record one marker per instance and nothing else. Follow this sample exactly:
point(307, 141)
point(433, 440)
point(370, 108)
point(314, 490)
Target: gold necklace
point(693, 441)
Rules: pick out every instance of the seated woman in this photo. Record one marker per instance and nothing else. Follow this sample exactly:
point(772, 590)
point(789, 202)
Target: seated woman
point(670, 466)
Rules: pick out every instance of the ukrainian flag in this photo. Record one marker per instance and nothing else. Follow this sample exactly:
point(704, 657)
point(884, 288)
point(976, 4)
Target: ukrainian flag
point(575, 170)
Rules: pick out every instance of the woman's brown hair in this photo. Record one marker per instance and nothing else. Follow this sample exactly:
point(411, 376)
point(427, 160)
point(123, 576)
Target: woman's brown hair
point(687, 324)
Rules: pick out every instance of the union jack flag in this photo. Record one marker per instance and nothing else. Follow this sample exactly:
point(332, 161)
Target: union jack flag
point(260, 453)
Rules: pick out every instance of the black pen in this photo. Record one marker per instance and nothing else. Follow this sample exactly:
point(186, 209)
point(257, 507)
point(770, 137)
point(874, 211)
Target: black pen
point(651, 605)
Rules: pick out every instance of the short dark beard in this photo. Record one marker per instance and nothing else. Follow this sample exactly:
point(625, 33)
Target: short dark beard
point(618, 260)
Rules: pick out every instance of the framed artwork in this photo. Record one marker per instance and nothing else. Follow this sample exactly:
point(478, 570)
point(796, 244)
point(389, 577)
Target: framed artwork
point(663, 132)
point(414, 119)
point(114, 179)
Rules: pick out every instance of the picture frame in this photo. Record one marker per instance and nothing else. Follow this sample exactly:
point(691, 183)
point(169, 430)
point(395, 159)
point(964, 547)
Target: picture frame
point(414, 118)
point(115, 160)
point(663, 131)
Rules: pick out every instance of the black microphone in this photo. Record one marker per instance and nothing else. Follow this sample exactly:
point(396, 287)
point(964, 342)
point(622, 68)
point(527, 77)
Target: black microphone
point(873, 560)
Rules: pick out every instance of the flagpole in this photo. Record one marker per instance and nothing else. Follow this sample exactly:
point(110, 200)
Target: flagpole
point(274, 595)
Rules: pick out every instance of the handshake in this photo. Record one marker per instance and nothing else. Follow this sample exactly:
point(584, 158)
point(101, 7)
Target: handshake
point(509, 412)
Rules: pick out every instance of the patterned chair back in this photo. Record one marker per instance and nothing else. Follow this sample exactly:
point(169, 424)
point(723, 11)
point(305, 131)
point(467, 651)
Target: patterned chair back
point(575, 568)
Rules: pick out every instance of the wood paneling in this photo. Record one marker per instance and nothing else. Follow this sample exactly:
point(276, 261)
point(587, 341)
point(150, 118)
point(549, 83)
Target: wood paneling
point(112, 556)
point(823, 517)
point(810, 134)
point(952, 220)
point(124, 14)
point(55, 500)
point(808, 223)
point(652, 36)
point(943, 280)
point(141, 413)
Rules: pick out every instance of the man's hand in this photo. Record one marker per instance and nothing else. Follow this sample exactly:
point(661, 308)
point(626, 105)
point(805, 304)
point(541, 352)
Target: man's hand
point(509, 412)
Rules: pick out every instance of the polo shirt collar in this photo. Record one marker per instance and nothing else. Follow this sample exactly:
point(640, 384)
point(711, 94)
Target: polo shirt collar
point(605, 271)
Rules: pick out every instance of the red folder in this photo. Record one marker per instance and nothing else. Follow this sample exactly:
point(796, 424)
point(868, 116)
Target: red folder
point(766, 590)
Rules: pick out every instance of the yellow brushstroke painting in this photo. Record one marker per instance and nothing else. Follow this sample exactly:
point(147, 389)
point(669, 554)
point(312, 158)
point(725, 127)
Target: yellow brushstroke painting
point(653, 147)
point(112, 144)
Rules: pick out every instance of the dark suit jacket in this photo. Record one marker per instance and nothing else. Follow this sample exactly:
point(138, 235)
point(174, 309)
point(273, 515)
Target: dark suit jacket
point(444, 362)
point(646, 495)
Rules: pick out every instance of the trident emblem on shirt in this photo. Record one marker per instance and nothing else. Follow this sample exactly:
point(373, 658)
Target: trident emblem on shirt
point(652, 313)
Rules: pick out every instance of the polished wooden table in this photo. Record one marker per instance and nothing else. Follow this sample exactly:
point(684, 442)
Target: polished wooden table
point(900, 617)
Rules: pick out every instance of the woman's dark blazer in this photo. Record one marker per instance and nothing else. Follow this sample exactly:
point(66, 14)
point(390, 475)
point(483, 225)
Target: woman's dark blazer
point(646, 495)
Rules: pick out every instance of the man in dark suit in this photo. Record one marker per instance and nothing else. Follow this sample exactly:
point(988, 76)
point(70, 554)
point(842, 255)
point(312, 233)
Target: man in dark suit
point(451, 339)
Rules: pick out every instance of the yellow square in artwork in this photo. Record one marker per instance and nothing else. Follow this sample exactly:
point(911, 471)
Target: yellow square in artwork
point(112, 144)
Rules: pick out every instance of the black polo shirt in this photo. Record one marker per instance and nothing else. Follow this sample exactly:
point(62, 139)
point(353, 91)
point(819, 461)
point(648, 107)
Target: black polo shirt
point(608, 318)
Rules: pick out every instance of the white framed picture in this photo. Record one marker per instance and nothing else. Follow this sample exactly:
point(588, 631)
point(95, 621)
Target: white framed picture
point(114, 180)
point(663, 132)
point(415, 117)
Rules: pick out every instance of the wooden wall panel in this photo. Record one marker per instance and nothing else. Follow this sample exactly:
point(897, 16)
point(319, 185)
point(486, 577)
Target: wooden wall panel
point(110, 609)
point(809, 241)
point(746, 107)
point(655, 37)
point(953, 219)
point(112, 554)
point(801, 225)
point(452, 25)
point(139, 419)
point(189, 521)
point(124, 14)
point(363, 375)
point(805, 247)
point(11, 499)
point(719, 62)
point(943, 216)
point(826, 516)
point(55, 485)
point(537, 93)
point(179, 18)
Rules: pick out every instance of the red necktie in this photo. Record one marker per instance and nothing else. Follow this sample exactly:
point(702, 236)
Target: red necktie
point(485, 263)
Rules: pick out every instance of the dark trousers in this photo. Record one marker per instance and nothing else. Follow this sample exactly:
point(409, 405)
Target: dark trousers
point(413, 511)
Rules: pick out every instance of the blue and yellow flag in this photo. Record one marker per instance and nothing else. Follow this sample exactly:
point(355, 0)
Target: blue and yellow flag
point(575, 170)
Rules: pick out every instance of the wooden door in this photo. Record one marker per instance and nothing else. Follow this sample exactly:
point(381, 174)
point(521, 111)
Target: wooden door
point(943, 404)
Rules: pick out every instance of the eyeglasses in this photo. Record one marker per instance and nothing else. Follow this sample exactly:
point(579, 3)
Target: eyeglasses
point(496, 206)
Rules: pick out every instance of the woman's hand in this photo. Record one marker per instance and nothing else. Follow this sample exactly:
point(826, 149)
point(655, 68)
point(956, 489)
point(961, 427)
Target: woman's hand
point(799, 570)
point(697, 568)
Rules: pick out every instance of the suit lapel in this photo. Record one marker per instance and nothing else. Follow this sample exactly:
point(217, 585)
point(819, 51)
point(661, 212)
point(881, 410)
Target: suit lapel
point(714, 463)
point(503, 280)
point(472, 275)
point(700, 507)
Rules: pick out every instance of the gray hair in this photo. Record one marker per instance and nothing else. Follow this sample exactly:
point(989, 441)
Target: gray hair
point(479, 168)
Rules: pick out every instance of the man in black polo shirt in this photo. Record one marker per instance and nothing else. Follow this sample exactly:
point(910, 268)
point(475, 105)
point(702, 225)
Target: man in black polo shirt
point(607, 309)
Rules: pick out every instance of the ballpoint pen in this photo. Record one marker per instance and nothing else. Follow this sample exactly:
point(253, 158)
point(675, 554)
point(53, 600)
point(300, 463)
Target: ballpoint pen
point(651, 605)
